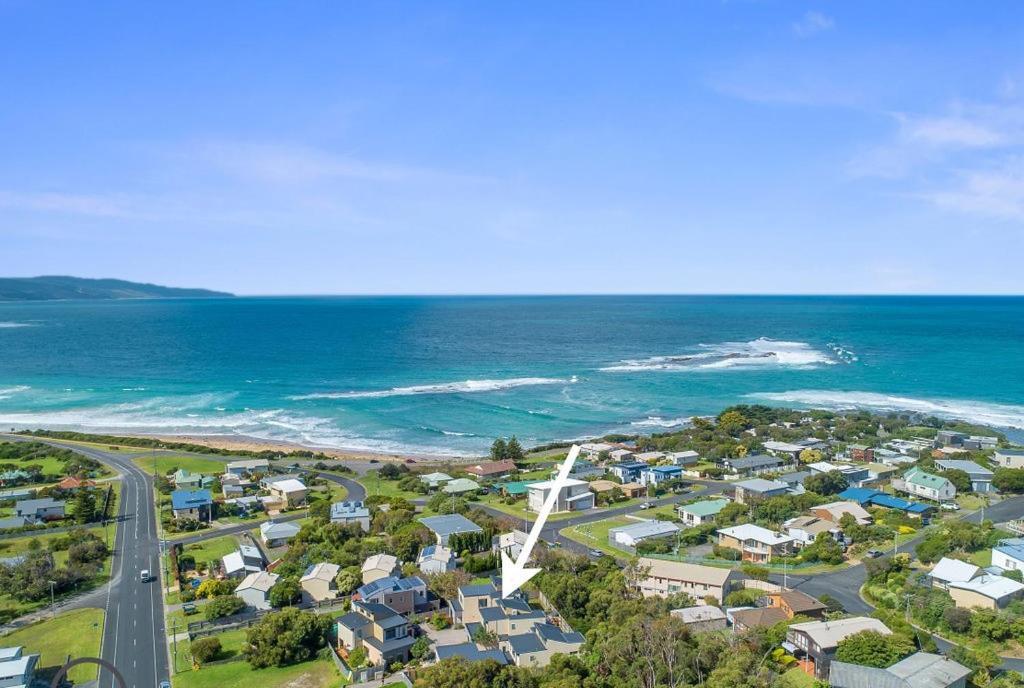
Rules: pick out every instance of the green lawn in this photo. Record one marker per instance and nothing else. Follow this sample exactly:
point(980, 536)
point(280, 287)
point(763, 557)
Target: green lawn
point(167, 464)
point(215, 548)
point(982, 558)
point(518, 510)
point(595, 534)
point(386, 488)
point(76, 633)
point(318, 673)
point(795, 678)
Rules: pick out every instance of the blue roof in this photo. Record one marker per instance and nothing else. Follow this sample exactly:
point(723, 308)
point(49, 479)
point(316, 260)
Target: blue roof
point(861, 495)
point(1015, 550)
point(190, 499)
point(896, 503)
point(666, 469)
point(630, 465)
point(450, 524)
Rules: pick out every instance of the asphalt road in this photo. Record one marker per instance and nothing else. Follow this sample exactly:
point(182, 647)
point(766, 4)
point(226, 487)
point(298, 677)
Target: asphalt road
point(133, 629)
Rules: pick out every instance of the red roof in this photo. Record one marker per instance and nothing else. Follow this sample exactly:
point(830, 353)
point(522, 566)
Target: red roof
point(492, 468)
point(72, 483)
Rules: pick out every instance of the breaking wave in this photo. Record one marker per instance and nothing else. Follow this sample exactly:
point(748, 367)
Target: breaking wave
point(731, 355)
point(464, 387)
point(980, 412)
point(8, 325)
point(8, 392)
point(659, 422)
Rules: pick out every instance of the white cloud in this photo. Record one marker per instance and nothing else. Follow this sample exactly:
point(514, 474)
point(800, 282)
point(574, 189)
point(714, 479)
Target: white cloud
point(812, 23)
point(996, 192)
point(68, 203)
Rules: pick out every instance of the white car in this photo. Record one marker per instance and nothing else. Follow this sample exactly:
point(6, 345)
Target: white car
point(950, 506)
point(144, 575)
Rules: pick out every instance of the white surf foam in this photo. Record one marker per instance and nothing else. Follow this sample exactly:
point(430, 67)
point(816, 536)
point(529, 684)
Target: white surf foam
point(464, 387)
point(659, 422)
point(12, 325)
point(8, 392)
point(981, 412)
point(731, 355)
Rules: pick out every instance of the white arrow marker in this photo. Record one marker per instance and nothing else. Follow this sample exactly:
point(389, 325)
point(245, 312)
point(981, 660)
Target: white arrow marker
point(514, 574)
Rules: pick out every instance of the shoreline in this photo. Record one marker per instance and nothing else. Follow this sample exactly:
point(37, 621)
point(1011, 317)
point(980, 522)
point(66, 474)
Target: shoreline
point(257, 444)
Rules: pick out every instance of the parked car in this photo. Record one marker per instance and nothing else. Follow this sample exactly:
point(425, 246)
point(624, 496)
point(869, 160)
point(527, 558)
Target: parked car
point(950, 506)
point(645, 505)
point(873, 553)
point(596, 553)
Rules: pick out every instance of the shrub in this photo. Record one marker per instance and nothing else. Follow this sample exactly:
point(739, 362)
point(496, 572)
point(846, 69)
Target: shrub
point(221, 606)
point(205, 649)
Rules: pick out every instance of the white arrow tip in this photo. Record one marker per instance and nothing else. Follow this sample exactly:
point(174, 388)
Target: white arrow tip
point(513, 576)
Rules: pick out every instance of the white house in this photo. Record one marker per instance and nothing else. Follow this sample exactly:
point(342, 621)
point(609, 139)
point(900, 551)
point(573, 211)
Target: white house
point(243, 561)
point(948, 571)
point(1009, 554)
point(278, 534)
point(633, 534)
point(435, 559)
point(318, 582)
point(755, 543)
point(351, 512)
point(925, 485)
point(1010, 458)
point(575, 495)
point(510, 543)
point(254, 589)
point(248, 467)
point(291, 492)
point(435, 480)
point(17, 670)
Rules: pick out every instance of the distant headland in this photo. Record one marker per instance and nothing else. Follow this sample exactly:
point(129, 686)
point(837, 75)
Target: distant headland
point(63, 288)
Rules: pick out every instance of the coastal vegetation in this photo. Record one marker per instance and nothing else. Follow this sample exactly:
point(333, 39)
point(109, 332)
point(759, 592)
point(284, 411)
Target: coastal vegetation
point(65, 288)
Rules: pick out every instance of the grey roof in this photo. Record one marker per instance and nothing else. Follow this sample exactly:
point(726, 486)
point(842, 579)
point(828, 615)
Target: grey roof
point(352, 620)
point(969, 467)
point(548, 631)
point(14, 522)
point(470, 652)
point(761, 485)
point(341, 510)
point(646, 529)
point(36, 504)
point(919, 670)
point(450, 524)
point(843, 675)
point(756, 461)
point(927, 670)
point(525, 643)
point(493, 614)
point(794, 478)
point(478, 589)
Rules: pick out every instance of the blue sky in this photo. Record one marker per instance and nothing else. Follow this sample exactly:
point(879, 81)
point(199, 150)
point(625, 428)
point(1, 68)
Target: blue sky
point(743, 146)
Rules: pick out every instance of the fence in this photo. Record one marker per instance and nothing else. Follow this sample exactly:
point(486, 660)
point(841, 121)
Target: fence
point(197, 629)
point(361, 675)
point(766, 586)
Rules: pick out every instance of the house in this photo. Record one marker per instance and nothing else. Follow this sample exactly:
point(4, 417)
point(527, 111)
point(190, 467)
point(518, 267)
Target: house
point(755, 543)
point(925, 485)
point(196, 505)
point(981, 477)
point(986, 591)
point(814, 643)
point(700, 512)
point(753, 465)
point(17, 669)
point(73, 483)
point(14, 522)
point(786, 450)
point(758, 489)
point(1009, 458)
point(744, 620)
point(574, 495)
point(435, 480)
point(649, 457)
point(879, 472)
point(602, 486)
point(351, 512)
point(627, 471)
point(620, 455)
point(247, 504)
point(593, 450)
point(187, 480)
point(581, 470)
point(536, 648)
point(795, 603)
point(384, 633)
point(794, 480)
point(855, 475)
point(804, 529)
point(443, 527)
point(664, 578)
point(268, 480)
point(471, 600)
point(255, 589)
point(460, 486)
point(700, 619)
point(864, 495)
point(629, 536)
point(510, 543)
point(948, 571)
point(436, 559)
point(492, 469)
point(231, 491)
point(404, 595)
point(290, 492)
point(656, 475)
point(36, 510)
point(379, 566)
point(469, 652)
point(834, 511)
point(277, 534)
point(513, 488)
point(319, 582)
point(243, 561)
point(860, 452)
point(1009, 554)
point(632, 490)
point(919, 670)
point(247, 467)
point(683, 458)
point(949, 438)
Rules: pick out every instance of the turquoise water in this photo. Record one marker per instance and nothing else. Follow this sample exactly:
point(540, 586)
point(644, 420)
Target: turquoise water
point(450, 374)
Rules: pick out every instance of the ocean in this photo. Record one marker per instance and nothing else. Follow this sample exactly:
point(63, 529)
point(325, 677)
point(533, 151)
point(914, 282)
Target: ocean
point(446, 375)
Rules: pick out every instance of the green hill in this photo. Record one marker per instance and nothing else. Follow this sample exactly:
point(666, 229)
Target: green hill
point(49, 288)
